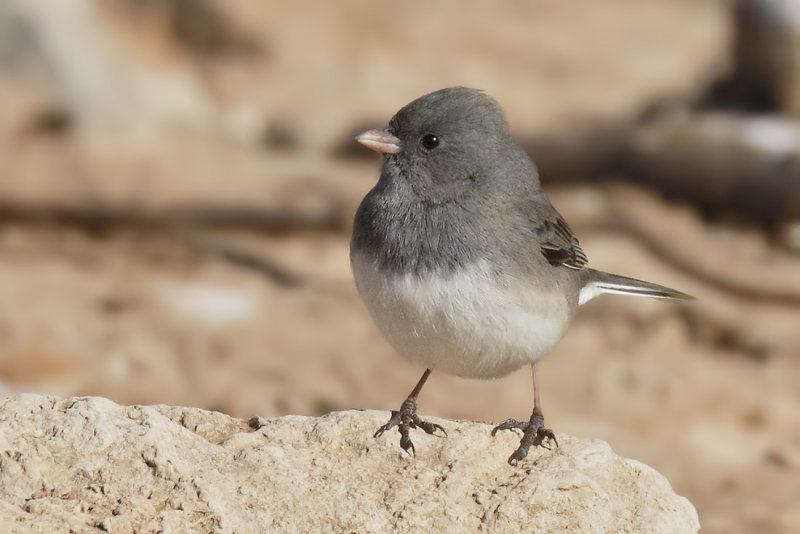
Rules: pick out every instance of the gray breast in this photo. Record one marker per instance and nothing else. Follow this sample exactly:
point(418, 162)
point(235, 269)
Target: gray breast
point(404, 234)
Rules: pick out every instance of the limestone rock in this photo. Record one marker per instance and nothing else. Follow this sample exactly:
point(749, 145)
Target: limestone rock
point(86, 463)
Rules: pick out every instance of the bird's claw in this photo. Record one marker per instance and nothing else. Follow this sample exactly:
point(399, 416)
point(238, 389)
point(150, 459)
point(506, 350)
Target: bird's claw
point(393, 421)
point(509, 424)
point(429, 428)
point(533, 435)
point(405, 419)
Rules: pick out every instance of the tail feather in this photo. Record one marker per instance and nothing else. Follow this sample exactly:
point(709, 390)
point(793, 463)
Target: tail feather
point(597, 282)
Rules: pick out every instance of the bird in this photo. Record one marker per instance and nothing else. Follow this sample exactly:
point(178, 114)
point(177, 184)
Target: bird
point(460, 258)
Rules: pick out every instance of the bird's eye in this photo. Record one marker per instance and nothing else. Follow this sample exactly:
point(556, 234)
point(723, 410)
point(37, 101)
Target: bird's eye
point(430, 141)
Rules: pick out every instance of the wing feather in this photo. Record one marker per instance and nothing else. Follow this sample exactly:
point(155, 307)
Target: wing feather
point(558, 243)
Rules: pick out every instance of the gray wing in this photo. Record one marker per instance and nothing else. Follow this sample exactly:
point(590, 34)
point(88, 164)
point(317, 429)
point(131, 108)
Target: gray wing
point(556, 241)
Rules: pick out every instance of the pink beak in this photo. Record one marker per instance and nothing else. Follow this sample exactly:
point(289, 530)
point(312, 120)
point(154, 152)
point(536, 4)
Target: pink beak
point(380, 141)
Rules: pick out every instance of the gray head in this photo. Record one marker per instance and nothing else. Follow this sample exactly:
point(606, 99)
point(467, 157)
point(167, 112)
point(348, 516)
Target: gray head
point(453, 181)
point(452, 144)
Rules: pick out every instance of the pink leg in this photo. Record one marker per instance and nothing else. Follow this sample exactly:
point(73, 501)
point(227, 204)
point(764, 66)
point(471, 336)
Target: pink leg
point(537, 404)
point(406, 418)
point(533, 430)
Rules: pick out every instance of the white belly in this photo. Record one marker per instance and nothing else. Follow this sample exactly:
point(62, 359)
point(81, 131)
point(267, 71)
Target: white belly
point(463, 323)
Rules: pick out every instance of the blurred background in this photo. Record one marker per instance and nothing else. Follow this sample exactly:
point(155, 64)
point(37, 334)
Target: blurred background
point(178, 180)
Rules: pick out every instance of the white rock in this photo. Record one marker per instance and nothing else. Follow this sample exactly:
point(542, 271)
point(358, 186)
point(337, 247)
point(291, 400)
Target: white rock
point(87, 462)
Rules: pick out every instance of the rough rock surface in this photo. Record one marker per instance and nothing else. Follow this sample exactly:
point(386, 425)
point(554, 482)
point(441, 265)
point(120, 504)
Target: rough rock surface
point(84, 464)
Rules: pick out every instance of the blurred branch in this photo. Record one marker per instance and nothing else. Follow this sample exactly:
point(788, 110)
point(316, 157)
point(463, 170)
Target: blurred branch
point(244, 258)
point(253, 258)
point(729, 336)
point(104, 217)
point(730, 167)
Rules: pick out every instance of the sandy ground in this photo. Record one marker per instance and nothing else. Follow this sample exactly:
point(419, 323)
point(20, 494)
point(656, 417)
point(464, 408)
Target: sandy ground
point(707, 393)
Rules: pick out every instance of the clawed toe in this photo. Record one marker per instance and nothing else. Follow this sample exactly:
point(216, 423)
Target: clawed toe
point(542, 434)
point(510, 424)
point(405, 419)
point(429, 428)
point(533, 435)
point(393, 421)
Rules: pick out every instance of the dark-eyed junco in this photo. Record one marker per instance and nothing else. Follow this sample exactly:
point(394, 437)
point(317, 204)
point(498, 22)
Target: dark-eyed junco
point(461, 259)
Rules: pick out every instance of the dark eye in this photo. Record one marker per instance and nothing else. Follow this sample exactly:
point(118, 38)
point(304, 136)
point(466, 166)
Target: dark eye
point(430, 141)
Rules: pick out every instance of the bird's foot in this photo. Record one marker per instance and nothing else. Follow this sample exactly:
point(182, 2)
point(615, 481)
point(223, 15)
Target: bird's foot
point(533, 435)
point(406, 418)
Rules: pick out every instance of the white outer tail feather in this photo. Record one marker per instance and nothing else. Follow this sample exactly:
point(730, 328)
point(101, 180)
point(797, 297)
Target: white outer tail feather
point(597, 283)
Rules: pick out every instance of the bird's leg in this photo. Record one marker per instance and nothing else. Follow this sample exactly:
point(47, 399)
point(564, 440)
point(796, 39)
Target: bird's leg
point(406, 417)
point(533, 430)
